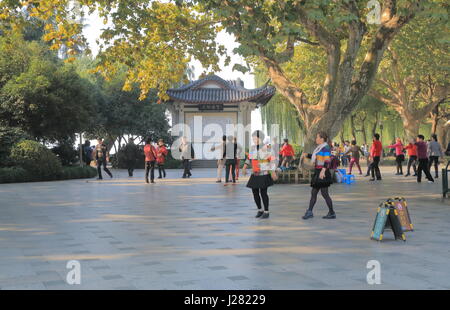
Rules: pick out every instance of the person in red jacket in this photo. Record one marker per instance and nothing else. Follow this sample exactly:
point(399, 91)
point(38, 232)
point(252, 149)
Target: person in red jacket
point(161, 154)
point(399, 156)
point(411, 148)
point(287, 153)
point(375, 154)
point(150, 159)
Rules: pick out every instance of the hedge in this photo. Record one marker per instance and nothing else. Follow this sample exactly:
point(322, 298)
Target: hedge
point(18, 174)
point(36, 159)
point(118, 160)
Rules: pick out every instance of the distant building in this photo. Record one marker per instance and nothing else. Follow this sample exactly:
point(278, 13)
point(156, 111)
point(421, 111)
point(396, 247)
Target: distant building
point(217, 101)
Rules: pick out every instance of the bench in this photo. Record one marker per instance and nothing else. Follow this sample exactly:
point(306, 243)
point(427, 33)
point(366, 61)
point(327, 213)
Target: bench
point(295, 176)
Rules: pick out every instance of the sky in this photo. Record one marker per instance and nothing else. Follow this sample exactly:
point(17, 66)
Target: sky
point(93, 30)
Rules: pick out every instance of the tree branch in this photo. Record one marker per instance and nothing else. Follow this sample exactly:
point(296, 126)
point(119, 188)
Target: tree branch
point(390, 25)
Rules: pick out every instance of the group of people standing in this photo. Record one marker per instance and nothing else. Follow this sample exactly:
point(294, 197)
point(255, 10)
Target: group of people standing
point(424, 154)
point(263, 161)
point(154, 156)
point(229, 153)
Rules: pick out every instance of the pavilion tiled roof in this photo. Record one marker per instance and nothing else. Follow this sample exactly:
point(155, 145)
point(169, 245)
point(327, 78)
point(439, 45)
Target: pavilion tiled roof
point(229, 92)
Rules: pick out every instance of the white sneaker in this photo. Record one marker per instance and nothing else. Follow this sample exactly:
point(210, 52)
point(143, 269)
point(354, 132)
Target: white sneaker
point(430, 181)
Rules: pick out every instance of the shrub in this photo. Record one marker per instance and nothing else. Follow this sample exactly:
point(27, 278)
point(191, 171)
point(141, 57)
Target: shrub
point(118, 160)
point(18, 174)
point(8, 137)
point(77, 173)
point(14, 174)
point(66, 153)
point(172, 163)
point(36, 159)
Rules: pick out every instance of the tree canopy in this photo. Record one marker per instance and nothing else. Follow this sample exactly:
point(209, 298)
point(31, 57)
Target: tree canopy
point(39, 93)
point(346, 40)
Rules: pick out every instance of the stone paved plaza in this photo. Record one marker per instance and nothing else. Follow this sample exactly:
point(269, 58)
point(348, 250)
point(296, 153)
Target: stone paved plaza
point(196, 234)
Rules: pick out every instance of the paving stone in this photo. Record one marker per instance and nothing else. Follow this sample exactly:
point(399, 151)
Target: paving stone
point(208, 238)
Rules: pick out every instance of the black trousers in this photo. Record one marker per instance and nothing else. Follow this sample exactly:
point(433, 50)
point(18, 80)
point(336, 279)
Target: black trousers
point(325, 195)
point(434, 160)
point(412, 162)
point(423, 166)
point(100, 163)
point(374, 168)
point(161, 169)
point(230, 164)
point(399, 161)
point(258, 194)
point(130, 167)
point(187, 168)
point(150, 167)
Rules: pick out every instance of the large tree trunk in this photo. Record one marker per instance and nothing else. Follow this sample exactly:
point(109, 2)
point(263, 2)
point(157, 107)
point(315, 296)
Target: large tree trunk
point(411, 126)
point(353, 128)
point(375, 125)
point(443, 132)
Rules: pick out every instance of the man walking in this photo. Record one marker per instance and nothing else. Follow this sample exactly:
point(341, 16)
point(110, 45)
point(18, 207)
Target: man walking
point(422, 150)
point(101, 155)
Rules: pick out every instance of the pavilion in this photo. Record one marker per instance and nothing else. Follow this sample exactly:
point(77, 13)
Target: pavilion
point(217, 101)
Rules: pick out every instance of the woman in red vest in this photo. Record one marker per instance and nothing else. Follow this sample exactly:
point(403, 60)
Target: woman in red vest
point(150, 159)
point(161, 154)
point(411, 148)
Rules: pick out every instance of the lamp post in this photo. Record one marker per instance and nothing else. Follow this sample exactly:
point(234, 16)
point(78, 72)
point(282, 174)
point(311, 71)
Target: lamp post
point(81, 150)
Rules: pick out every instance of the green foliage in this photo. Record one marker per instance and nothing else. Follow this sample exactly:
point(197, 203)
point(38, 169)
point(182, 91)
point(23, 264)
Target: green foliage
point(119, 113)
point(118, 160)
point(8, 137)
point(40, 94)
point(36, 159)
point(14, 175)
point(18, 174)
point(77, 172)
point(66, 153)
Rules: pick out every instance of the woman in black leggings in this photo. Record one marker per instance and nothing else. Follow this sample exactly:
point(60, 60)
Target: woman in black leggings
point(321, 179)
point(263, 163)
